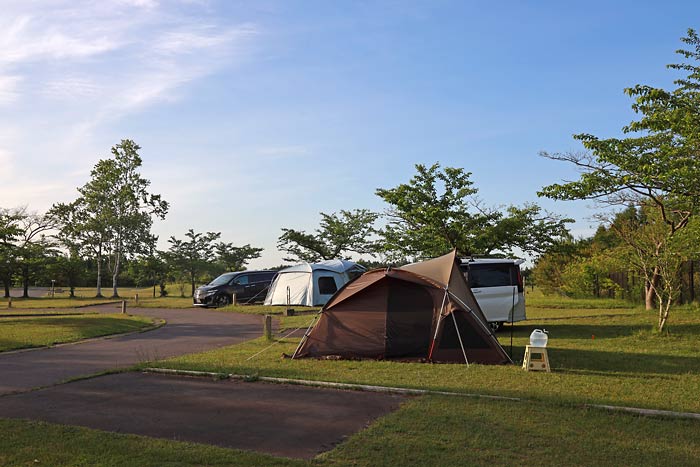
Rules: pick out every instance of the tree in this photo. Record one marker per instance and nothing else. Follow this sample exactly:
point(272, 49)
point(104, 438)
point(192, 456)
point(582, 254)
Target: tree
point(151, 269)
point(337, 235)
point(114, 213)
point(656, 166)
point(34, 247)
point(192, 256)
point(235, 258)
point(9, 233)
point(437, 210)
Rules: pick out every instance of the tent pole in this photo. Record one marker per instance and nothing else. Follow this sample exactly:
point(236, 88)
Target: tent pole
point(437, 326)
point(486, 328)
point(459, 336)
point(306, 335)
point(512, 312)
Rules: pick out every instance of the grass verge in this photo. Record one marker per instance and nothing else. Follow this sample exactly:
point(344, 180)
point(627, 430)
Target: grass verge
point(27, 332)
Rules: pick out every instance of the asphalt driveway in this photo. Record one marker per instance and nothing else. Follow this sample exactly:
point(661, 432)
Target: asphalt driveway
point(283, 420)
point(186, 331)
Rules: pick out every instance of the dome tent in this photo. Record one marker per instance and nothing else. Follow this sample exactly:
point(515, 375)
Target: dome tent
point(311, 284)
point(419, 311)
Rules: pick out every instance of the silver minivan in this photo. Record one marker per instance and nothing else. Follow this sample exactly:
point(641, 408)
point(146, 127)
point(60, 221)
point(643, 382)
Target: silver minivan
point(497, 285)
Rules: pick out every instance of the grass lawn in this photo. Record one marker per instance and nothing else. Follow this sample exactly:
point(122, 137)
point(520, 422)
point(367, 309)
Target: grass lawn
point(25, 332)
point(606, 354)
point(431, 431)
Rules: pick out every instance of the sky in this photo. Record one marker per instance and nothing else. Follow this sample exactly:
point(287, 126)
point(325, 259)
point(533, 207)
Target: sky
point(253, 116)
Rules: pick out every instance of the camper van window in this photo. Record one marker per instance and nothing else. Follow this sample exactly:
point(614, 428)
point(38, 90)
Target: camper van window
point(326, 286)
point(490, 275)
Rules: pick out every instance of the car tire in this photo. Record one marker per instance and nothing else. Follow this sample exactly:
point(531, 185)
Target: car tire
point(221, 300)
point(495, 325)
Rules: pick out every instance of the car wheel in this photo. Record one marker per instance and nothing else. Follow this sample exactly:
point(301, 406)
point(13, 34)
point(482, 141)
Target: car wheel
point(221, 300)
point(495, 325)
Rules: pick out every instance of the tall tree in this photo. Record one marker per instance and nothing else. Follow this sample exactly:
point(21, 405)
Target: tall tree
point(656, 165)
point(114, 213)
point(337, 235)
point(437, 210)
point(193, 255)
point(235, 258)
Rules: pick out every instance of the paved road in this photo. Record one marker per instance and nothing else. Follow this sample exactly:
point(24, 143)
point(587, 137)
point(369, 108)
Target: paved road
point(283, 420)
point(186, 331)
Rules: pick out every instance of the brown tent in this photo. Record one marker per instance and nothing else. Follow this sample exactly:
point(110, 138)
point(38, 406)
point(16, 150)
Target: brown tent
point(419, 311)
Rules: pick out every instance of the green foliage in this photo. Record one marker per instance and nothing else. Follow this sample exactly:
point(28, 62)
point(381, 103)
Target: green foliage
point(655, 166)
point(192, 256)
point(337, 235)
point(235, 258)
point(437, 210)
point(114, 213)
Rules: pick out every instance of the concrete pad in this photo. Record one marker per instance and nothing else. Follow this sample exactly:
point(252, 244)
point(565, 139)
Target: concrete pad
point(283, 420)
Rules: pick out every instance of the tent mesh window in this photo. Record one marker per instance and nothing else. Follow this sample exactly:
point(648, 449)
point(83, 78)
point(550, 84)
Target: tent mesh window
point(470, 338)
point(409, 319)
point(326, 285)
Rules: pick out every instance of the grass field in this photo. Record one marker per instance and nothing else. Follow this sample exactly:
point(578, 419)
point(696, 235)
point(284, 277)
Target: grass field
point(608, 354)
point(26, 332)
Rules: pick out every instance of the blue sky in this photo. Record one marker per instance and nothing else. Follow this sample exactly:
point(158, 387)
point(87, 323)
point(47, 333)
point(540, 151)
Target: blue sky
point(254, 116)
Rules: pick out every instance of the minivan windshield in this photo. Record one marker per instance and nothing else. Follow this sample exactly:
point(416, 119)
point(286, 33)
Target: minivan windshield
point(222, 279)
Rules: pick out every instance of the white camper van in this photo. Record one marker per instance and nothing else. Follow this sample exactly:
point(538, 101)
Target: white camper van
point(497, 285)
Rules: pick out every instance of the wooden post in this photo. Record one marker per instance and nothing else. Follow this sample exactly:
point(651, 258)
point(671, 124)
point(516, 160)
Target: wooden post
point(123, 307)
point(267, 327)
point(233, 299)
point(136, 298)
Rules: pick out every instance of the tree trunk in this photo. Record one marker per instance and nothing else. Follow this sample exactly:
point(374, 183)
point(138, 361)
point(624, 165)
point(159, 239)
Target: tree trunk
point(6, 283)
point(115, 274)
point(192, 277)
point(25, 281)
point(99, 272)
point(154, 289)
point(650, 290)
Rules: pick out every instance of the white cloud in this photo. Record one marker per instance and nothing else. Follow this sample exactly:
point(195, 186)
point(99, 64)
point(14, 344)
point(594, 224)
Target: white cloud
point(8, 89)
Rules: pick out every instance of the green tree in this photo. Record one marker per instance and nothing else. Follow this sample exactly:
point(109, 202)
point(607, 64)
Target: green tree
point(10, 232)
point(338, 234)
point(114, 213)
point(194, 255)
point(235, 258)
point(437, 210)
point(151, 269)
point(655, 165)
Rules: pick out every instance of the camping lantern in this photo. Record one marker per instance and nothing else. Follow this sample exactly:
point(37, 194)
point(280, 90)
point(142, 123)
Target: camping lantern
point(539, 338)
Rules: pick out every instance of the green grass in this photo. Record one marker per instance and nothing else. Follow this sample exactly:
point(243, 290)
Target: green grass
point(26, 332)
point(609, 356)
point(536, 299)
point(26, 443)
point(430, 431)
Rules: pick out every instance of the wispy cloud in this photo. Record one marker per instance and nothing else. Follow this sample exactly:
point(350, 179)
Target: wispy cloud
point(86, 50)
point(70, 69)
